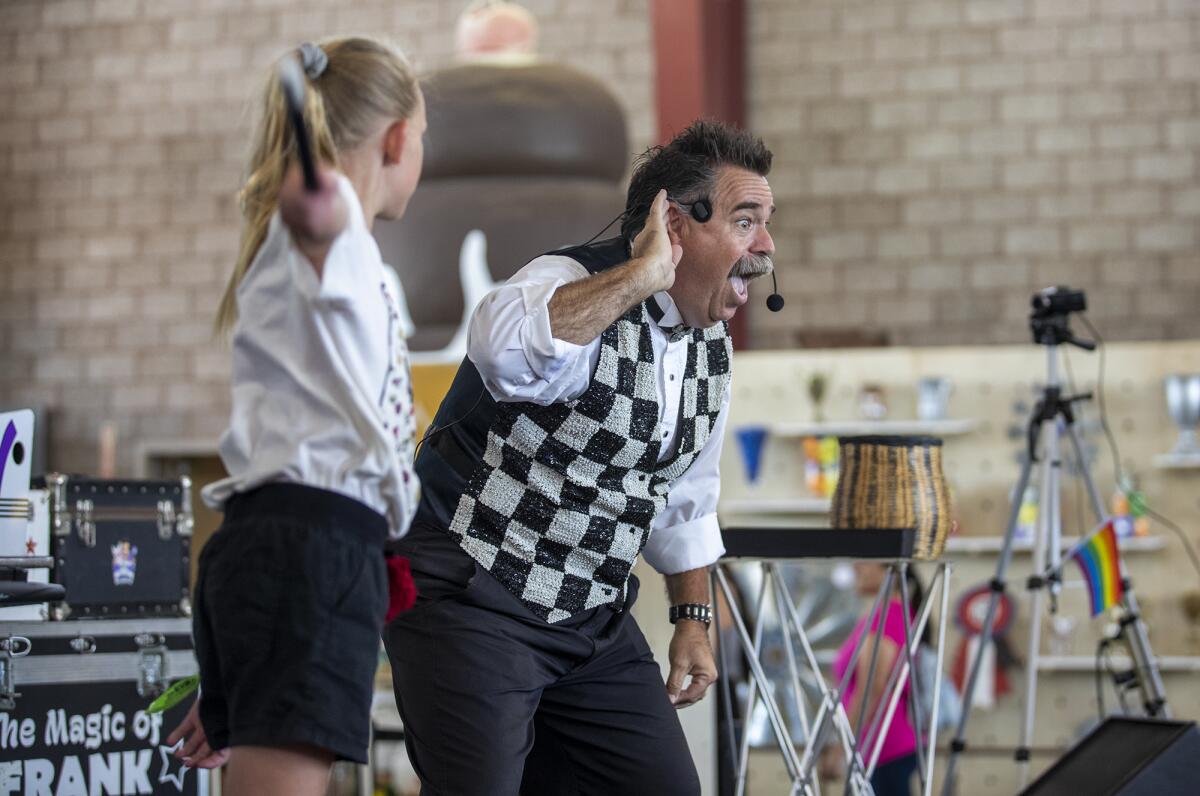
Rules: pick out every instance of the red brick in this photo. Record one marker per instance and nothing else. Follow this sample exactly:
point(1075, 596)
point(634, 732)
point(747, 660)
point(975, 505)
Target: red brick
point(66, 13)
point(1166, 236)
point(62, 130)
point(960, 241)
point(87, 154)
point(867, 148)
point(939, 79)
point(1039, 38)
point(904, 245)
point(897, 46)
point(902, 179)
point(42, 43)
point(1096, 104)
point(839, 246)
point(858, 212)
point(963, 43)
point(1062, 72)
point(924, 14)
point(900, 113)
point(1169, 167)
point(1027, 173)
point(966, 175)
point(997, 75)
point(1185, 202)
point(908, 311)
point(1131, 70)
point(1071, 205)
point(1001, 207)
point(833, 180)
point(936, 276)
point(1097, 237)
point(1031, 239)
point(115, 10)
point(1102, 38)
point(1003, 273)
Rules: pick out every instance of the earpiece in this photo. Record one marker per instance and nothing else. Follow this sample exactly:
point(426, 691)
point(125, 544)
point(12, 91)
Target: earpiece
point(700, 210)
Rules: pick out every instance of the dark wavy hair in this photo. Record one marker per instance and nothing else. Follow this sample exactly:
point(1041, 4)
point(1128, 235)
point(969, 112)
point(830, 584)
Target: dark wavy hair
point(687, 167)
point(916, 596)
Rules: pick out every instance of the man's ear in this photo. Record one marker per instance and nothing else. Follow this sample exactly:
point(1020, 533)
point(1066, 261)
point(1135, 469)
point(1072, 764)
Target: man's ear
point(393, 141)
point(675, 224)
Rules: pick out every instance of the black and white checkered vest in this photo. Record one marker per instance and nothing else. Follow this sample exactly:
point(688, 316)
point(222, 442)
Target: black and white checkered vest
point(557, 501)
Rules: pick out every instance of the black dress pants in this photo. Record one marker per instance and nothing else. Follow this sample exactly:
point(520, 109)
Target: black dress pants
point(497, 701)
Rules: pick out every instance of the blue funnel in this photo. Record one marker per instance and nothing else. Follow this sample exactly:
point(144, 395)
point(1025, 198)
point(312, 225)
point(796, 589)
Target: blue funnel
point(751, 440)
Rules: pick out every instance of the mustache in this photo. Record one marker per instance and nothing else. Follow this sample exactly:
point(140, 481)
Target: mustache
point(752, 266)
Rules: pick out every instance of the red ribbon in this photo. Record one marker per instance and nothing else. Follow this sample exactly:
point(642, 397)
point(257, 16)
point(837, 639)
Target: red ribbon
point(402, 591)
point(968, 615)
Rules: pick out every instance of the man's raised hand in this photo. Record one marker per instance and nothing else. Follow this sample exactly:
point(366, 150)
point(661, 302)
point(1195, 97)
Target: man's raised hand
point(653, 249)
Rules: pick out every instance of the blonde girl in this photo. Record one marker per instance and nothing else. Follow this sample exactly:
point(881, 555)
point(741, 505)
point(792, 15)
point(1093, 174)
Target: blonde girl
point(292, 589)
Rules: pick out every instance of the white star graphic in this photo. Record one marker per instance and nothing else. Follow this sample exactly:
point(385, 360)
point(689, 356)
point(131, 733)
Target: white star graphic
point(165, 775)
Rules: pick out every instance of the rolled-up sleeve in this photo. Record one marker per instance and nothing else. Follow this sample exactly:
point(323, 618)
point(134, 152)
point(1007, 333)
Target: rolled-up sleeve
point(686, 534)
point(687, 545)
point(511, 343)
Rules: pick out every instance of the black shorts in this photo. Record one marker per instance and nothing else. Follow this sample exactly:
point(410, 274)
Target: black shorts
point(290, 601)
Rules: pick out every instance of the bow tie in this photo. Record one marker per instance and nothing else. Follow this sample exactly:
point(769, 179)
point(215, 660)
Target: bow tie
point(675, 332)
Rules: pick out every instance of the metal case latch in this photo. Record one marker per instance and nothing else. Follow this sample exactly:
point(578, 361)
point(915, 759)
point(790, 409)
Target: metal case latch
point(60, 515)
point(85, 526)
point(152, 664)
point(166, 519)
point(10, 647)
point(187, 519)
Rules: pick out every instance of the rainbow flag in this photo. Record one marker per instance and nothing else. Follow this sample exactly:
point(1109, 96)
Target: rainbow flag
point(1100, 562)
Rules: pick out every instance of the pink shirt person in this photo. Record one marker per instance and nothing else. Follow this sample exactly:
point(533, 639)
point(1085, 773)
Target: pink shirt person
point(900, 740)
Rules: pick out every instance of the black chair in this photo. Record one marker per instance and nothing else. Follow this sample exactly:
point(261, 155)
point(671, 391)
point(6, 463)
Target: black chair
point(15, 588)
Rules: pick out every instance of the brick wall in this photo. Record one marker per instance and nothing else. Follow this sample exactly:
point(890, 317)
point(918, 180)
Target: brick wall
point(122, 141)
point(939, 160)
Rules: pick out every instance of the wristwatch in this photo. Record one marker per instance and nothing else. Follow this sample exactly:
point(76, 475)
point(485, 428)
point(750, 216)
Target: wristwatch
point(700, 612)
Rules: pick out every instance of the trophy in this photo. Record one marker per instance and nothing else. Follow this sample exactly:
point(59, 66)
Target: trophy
point(933, 398)
point(1183, 402)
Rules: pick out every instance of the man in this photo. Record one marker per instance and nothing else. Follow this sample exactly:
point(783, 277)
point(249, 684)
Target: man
point(584, 427)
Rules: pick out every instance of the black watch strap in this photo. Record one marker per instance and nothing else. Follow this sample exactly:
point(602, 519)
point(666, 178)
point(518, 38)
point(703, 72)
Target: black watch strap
point(700, 612)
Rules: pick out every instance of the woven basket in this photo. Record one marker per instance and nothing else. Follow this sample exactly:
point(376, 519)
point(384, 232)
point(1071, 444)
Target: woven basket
point(894, 482)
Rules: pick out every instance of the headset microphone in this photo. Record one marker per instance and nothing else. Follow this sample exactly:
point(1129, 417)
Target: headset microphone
point(774, 301)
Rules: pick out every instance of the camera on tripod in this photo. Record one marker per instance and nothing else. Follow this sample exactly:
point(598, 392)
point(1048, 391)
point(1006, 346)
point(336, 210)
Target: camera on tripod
point(1058, 301)
point(1051, 313)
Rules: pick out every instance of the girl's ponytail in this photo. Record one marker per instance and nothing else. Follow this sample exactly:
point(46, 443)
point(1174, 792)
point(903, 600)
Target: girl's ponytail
point(353, 84)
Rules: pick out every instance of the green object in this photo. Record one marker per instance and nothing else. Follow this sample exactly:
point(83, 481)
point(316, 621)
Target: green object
point(1137, 504)
point(174, 694)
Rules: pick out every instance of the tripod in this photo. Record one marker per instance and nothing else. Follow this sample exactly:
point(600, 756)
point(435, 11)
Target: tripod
point(1053, 415)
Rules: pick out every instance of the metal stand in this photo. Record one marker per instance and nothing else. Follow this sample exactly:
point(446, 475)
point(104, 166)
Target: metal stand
point(830, 713)
point(1052, 416)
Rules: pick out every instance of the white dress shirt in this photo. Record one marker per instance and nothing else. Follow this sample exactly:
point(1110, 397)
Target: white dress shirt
point(519, 359)
point(321, 387)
